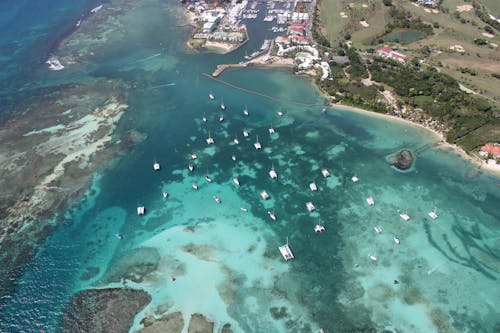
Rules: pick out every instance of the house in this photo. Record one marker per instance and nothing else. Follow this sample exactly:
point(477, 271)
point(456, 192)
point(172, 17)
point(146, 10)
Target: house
point(490, 149)
point(299, 40)
point(283, 40)
point(387, 52)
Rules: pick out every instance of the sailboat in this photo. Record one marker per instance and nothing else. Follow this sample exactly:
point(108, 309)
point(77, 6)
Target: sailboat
point(257, 144)
point(245, 133)
point(210, 140)
point(271, 130)
point(235, 140)
point(236, 181)
point(222, 105)
point(272, 215)
point(273, 173)
point(233, 157)
point(286, 252)
point(156, 166)
point(433, 214)
point(204, 118)
point(245, 111)
point(190, 167)
point(211, 96)
point(221, 118)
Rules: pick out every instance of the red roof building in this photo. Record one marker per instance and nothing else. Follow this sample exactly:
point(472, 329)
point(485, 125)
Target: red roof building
point(283, 40)
point(492, 149)
point(387, 52)
point(296, 30)
point(299, 40)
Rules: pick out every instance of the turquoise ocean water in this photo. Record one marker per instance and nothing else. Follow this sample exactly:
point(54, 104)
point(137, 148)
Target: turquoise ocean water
point(226, 261)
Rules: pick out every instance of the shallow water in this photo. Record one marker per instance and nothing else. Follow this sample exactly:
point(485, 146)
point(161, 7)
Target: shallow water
point(226, 262)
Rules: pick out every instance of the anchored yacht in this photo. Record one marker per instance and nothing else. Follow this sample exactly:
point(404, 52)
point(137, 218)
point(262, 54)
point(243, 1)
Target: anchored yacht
point(433, 214)
point(325, 173)
point(310, 206)
point(141, 210)
point(313, 186)
point(370, 201)
point(271, 215)
point(273, 173)
point(156, 166)
point(286, 252)
point(264, 195)
point(257, 144)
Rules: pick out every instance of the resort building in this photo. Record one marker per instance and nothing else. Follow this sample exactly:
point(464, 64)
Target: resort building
point(490, 150)
point(387, 52)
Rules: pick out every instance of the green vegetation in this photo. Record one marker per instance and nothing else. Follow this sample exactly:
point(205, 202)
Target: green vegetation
point(440, 96)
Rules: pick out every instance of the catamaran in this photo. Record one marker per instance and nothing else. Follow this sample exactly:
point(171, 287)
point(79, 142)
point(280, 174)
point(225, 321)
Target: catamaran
point(141, 210)
point(319, 228)
point(286, 252)
point(271, 130)
point(325, 173)
point(204, 118)
point(194, 156)
point(313, 186)
point(355, 179)
point(404, 216)
point(378, 229)
point(273, 173)
point(264, 195)
point(370, 201)
point(156, 166)
point(236, 181)
point(233, 157)
point(257, 144)
point(310, 206)
point(165, 195)
point(245, 133)
point(433, 214)
point(210, 140)
point(271, 215)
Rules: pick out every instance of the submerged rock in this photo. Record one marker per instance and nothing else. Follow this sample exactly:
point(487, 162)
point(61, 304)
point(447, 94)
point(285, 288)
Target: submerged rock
point(402, 160)
point(200, 324)
point(135, 265)
point(103, 310)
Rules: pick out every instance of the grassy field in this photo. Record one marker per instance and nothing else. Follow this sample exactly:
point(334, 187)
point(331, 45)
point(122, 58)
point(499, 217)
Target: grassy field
point(377, 18)
point(332, 23)
point(492, 5)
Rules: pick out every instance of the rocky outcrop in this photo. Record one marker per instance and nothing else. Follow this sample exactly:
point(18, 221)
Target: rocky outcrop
point(402, 160)
point(200, 324)
point(103, 310)
point(171, 323)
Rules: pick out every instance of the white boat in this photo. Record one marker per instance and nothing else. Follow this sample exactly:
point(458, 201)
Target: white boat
point(257, 144)
point(243, 209)
point(264, 195)
point(286, 252)
point(222, 106)
point(313, 186)
point(165, 195)
point(233, 157)
point(245, 111)
point(378, 229)
point(323, 110)
point(319, 228)
point(280, 113)
point(310, 206)
point(208, 179)
point(372, 257)
point(273, 173)
point(194, 156)
point(119, 236)
point(221, 118)
point(190, 167)
point(216, 198)
point(204, 119)
point(271, 215)
point(141, 210)
point(235, 140)
point(210, 140)
point(156, 166)
point(433, 214)
point(236, 181)
point(404, 216)
point(325, 173)
point(212, 97)
point(396, 240)
point(355, 179)
point(245, 133)
point(271, 130)
point(193, 185)
point(370, 201)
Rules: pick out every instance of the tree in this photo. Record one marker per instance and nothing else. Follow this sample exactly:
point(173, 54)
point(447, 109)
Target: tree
point(388, 3)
